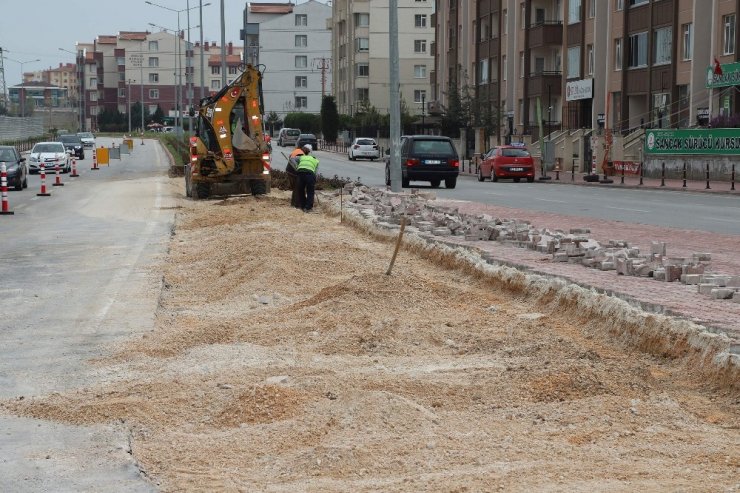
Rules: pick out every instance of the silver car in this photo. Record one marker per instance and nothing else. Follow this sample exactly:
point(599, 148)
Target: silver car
point(87, 138)
point(51, 154)
point(363, 147)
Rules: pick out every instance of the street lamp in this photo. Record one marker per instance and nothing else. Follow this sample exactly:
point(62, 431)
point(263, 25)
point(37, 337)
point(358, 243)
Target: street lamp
point(23, 92)
point(178, 74)
point(80, 80)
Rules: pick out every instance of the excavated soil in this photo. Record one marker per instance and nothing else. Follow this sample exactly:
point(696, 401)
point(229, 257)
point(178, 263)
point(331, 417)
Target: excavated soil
point(284, 359)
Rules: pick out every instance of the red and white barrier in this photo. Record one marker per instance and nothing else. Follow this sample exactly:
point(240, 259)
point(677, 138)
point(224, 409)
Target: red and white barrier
point(57, 177)
point(4, 188)
point(74, 168)
point(43, 192)
point(95, 160)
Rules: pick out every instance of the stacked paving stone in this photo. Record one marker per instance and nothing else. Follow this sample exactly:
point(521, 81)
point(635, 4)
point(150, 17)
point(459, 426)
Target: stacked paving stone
point(574, 247)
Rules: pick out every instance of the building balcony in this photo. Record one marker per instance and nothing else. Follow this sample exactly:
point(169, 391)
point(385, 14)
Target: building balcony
point(546, 34)
point(538, 83)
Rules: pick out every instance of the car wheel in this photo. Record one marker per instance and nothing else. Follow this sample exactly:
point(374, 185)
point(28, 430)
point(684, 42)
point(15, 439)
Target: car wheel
point(516, 180)
point(19, 183)
point(435, 183)
point(405, 183)
point(451, 182)
point(201, 190)
point(480, 174)
point(530, 179)
point(493, 175)
point(82, 156)
point(25, 181)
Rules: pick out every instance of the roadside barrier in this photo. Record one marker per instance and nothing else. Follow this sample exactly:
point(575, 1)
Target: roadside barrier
point(684, 174)
point(662, 174)
point(4, 188)
point(732, 178)
point(95, 160)
point(707, 187)
point(43, 192)
point(74, 169)
point(57, 177)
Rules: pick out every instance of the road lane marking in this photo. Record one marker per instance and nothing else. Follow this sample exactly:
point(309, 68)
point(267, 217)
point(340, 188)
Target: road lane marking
point(625, 209)
point(552, 200)
point(719, 219)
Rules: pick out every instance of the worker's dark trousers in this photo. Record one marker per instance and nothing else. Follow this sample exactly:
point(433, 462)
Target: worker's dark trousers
point(306, 187)
point(295, 196)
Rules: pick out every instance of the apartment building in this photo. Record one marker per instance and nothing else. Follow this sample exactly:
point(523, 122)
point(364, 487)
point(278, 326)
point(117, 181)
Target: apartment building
point(589, 64)
point(156, 69)
point(294, 44)
point(360, 50)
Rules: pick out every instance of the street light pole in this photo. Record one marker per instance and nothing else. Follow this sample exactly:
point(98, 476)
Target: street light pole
point(80, 80)
point(202, 74)
point(128, 98)
point(23, 89)
point(223, 46)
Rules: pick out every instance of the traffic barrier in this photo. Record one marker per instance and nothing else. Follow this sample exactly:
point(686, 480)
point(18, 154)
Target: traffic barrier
point(621, 179)
point(57, 177)
point(707, 187)
point(684, 174)
point(573, 171)
point(4, 188)
point(95, 160)
point(733, 178)
point(43, 193)
point(642, 172)
point(662, 174)
point(74, 169)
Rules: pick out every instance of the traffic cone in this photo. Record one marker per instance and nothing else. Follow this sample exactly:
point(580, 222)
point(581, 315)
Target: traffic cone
point(43, 193)
point(74, 169)
point(58, 177)
point(95, 160)
point(4, 188)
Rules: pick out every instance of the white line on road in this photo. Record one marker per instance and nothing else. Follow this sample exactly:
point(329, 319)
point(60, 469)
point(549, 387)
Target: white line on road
point(719, 219)
point(551, 200)
point(625, 209)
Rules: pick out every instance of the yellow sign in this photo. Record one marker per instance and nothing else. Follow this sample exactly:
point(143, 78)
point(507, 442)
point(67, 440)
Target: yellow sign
point(103, 157)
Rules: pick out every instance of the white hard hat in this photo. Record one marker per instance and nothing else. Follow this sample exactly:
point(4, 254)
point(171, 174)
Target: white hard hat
point(308, 146)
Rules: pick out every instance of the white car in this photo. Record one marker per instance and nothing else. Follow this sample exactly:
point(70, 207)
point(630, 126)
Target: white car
point(363, 147)
point(51, 154)
point(87, 138)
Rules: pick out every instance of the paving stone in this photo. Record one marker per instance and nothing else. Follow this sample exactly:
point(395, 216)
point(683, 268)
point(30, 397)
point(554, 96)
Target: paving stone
point(659, 274)
point(691, 278)
point(657, 248)
point(733, 282)
point(702, 257)
point(722, 293)
point(672, 273)
point(705, 288)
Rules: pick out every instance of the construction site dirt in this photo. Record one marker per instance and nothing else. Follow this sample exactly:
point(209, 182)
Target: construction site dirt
point(285, 359)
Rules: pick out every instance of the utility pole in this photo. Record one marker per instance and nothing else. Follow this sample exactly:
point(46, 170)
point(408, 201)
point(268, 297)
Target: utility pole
point(3, 89)
point(202, 74)
point(128, 101)
point(223, 46)
point(188, 64)
point(324, 66)
point(395, 109)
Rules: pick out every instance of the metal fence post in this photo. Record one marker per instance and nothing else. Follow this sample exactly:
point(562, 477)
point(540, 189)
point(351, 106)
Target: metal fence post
point(621, 179)
point(573, 170)
point(642, 171)
point(707, 187)
point(662, 174)
point(684, 174)
point(733, 178)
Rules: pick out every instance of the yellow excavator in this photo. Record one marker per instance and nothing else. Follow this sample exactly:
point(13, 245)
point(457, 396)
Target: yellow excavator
point(228, 153)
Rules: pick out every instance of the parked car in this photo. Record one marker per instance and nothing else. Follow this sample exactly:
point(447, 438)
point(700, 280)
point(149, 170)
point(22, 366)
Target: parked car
point(15, 166)
point(304, 139)
point(363, 147)
point(73, 142)
point(512, 161)
point(51, 154)
point(87, 138)
point(288, 136)
point(431, 158)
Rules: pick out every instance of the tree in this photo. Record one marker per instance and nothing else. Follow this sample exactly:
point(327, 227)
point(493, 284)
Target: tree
point(453, 118)
point(272, 120)
point(136, 114)
point(329, 118)
point(111, 120)
point(158, 116)
point(306, 122)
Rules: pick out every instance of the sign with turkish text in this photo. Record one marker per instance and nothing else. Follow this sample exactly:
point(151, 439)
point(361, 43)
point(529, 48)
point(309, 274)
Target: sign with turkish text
point(579, 89)
point(712, 141)
point(730, 76)
point(629, 167)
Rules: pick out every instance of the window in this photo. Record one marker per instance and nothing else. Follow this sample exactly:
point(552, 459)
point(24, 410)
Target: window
point(420, 71)
point(728, 21)
point(362, 94)
point(619, 4)
point(122, 76)
point(362, 19)
point(362, 70)
point(216, 84)
point(483, 71)
point(215, 69)
point(301, 20)
point(637, 56)
point(618, 54)
point(120, 60)
point(153, 45)
point(93, 96)
point(362, 44)
point(420, 20)
point(301, 81)
point(523, 15)
point(301, 102)
point(574, 62)
point(419, 95)
point(232, 70)
point(521, 64)
point(634, 3)
point(153, 93)
point(574, 11)
point(688, 41)
point(93, 82)
point(153, 77)
point(301, 40)
point(94, 110)
point(505, 66)
point(301, 61)
point(590, 59)
point(153, 61)
point(121, 92)
point(420, 46)
point(591, 9)
point(506, 21)
point(662, 45)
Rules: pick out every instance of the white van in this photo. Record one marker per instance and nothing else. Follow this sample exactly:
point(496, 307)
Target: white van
point(288, 136)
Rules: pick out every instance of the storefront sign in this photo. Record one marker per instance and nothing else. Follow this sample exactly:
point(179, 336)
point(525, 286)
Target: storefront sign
point(715, 141)
point(629, 167)
point(730, 76)
point(601, 119)
point(579, 89)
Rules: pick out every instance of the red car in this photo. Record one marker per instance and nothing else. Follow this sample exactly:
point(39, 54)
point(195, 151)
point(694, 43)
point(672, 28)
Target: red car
point(510, 161)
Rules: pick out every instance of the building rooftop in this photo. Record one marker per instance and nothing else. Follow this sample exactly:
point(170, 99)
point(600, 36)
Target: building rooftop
point(133, 35)
point(271, 8)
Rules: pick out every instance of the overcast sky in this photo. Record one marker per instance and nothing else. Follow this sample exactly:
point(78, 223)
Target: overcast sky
point(36, 29)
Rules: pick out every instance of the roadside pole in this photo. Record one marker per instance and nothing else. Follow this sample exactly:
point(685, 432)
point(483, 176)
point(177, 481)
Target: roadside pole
point(395, 109)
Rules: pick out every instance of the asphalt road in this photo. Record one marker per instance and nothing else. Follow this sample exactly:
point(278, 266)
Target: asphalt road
point(76, 277)
point(714, 213)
